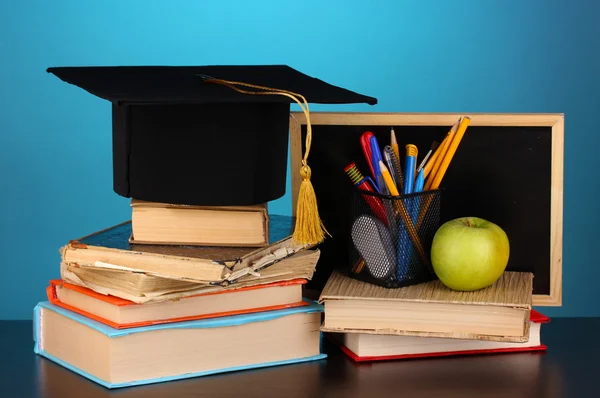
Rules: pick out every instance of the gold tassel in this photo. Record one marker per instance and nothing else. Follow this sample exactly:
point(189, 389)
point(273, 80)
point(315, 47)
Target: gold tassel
point(309, 228)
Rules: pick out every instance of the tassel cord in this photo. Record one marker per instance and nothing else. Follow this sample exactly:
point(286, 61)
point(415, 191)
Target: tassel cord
point(309, 227)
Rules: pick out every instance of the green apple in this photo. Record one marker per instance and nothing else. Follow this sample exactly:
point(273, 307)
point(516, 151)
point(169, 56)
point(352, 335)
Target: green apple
point(469, 253)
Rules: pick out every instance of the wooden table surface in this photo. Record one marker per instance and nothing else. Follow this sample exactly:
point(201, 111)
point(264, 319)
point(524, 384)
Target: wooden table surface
point(570, 368)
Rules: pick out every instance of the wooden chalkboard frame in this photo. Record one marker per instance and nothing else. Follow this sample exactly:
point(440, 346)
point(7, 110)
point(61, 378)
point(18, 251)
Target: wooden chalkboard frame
point(555, 121)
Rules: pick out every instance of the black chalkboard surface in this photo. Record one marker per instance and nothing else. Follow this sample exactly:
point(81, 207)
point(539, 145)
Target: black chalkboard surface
point(507, 169)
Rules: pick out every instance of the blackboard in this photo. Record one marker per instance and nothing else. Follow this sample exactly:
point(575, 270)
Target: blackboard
point(508, 169)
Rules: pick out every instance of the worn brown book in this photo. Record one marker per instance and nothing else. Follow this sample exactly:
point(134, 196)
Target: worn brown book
point(140, 287)
point(169, 224)
point(497, 313)
point(119, 313)
point(111, 249)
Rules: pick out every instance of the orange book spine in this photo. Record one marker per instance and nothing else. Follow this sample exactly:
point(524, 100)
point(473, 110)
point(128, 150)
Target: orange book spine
point(52, 297)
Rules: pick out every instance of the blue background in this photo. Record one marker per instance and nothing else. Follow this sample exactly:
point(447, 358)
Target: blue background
point(414, 56)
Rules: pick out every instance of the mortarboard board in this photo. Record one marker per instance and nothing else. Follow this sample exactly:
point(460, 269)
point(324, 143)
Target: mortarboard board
point(180, 138)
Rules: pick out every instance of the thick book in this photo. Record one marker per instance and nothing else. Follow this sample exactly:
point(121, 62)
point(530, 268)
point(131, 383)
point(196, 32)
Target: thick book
point(373, 347)
point(111, 249)
point(499, 312)
point(140, 287)
point(170, 224)
point(122, 314)
point(121, 358)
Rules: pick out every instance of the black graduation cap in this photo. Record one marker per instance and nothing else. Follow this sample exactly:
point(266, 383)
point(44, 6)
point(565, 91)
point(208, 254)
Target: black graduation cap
point(208, 135)
point(178, 138)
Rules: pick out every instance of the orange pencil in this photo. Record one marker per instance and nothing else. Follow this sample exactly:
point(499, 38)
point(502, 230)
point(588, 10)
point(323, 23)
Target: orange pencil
point(436, 181)
point(429, 165)
point(464, 123)
point(441, 153)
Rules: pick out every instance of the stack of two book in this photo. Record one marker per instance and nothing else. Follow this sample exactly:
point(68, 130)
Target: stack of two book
point(371, 323)
point(125, 313)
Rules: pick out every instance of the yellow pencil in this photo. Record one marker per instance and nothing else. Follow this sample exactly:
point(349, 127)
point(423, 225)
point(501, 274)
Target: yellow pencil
point(432, 161)
point(441, 153)
point(435, 183)
point(429, 165)
point(394, 144)
point(464, 123)
point(387, 177)
point(402, 210)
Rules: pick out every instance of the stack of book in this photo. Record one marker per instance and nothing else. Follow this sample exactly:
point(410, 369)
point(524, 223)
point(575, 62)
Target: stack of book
point(181, 291)
point(370, 322)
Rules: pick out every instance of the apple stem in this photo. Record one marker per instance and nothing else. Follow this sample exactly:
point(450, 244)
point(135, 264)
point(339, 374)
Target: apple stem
point(468, 222)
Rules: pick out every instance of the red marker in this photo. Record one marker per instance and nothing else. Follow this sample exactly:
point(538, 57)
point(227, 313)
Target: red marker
point(365, 143)
point(374, 202)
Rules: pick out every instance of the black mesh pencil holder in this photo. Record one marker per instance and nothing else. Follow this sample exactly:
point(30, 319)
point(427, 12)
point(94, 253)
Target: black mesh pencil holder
point(390, 237)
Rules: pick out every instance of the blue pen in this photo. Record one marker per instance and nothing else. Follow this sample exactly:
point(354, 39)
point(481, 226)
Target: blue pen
point(409, 168)
point(375, 159)
point(405, 249)
point(419, 183)
point(373, 184)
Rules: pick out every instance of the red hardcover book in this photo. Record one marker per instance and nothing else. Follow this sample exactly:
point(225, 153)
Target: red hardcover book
point(362, 347)
point(121, 314)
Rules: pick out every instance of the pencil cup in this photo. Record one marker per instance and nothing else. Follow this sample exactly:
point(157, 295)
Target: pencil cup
point(390, 237)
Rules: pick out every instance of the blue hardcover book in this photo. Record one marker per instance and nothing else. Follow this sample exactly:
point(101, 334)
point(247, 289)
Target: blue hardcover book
point(126, 357)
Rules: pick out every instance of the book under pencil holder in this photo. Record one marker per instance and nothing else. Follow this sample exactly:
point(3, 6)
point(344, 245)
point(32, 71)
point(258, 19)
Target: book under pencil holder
point(390, 237)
